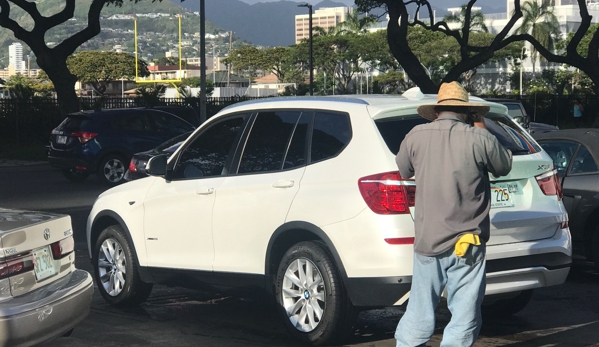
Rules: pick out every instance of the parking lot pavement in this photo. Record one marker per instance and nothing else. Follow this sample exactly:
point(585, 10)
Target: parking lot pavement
point(15, 162)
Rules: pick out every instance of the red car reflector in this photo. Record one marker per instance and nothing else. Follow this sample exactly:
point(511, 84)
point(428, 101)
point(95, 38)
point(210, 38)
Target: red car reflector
point(81, 168)
point(400, 241)
point(62, 248)
point(550, 184)
point(132, 166)
point(388, 193)
point(16, 266)
point(84, 136)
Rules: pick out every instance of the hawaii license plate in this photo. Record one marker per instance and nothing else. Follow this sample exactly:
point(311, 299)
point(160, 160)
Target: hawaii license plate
point(43, 263)
point(60, 139)
point(502, 194)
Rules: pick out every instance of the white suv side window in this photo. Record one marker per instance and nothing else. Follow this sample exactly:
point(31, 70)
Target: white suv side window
point(207, 155)
point(268, 141)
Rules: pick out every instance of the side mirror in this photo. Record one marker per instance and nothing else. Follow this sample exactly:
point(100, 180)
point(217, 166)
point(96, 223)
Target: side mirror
point(156, 166)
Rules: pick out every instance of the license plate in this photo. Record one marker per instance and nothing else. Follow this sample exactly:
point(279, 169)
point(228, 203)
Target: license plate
point(61, 139)
point(44, 263)
point(502, 194)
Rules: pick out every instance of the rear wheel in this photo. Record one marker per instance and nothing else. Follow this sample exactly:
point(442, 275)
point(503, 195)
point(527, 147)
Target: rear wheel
point(115, 269)
point(74, 175)
point(509, 306)
point(112, 169)
point(311, 297)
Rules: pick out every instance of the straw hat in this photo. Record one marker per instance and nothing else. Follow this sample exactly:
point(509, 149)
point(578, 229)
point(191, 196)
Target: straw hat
point(452, 94)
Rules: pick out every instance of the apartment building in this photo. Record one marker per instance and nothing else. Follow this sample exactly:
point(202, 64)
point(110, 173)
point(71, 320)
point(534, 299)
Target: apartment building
point(15, 57)
point(324, 17)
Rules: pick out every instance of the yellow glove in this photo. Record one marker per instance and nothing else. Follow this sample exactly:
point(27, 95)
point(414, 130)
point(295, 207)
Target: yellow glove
point(464, 242)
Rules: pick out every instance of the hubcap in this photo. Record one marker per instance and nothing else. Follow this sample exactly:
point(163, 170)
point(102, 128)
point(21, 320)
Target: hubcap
point(303, 294)
point(112, 267)
point(114, 170)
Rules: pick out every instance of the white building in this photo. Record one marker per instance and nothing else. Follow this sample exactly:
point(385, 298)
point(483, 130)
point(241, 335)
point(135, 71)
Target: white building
point(325, 18)
point(15, 57)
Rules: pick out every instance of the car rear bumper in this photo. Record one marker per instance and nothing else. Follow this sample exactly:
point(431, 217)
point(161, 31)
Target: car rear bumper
point(510, 268)
point(46, 313)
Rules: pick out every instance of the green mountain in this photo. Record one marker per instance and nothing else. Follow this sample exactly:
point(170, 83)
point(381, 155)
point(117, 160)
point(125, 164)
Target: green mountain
point(156, 34)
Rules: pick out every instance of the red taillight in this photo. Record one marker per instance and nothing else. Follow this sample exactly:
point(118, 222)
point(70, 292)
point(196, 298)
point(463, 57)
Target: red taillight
point(388, 193)
point(550, 183)
point(400, 241)
point(16, 266)
point(132, 166)
point(84, 136)
point(62, 248)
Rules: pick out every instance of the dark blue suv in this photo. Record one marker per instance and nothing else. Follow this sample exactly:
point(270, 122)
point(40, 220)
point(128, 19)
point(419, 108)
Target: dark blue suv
point(104, 141)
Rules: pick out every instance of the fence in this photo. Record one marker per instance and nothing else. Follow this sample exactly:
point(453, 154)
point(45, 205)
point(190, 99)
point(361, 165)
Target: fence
point(33, 120)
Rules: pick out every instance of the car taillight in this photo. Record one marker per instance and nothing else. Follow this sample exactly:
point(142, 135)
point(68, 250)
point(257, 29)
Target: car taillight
point(62, 248)
point(550, 183)
point(84, 136)
point(16, 266)
point(132, 166)
point(388, 193)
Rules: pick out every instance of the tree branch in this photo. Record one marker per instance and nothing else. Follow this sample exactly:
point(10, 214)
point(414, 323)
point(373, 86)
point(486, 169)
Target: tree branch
point(69, 45)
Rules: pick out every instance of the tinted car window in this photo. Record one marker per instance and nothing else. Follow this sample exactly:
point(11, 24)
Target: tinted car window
point(130, 121)
point(74, 123)
point(393, 130)
point(330, 134)
point(514, 110)
point(169, 123)
point(583, 162)
point(207, 155)
point(296, 154)
point(561, 152)
point(268, 141)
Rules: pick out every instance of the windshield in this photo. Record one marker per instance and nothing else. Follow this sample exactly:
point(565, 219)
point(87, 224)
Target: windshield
point(394, 129)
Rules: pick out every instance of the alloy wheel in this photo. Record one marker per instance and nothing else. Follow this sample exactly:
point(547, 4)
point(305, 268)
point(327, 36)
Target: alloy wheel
point(303, 294)
point(114, 170)
point(112, 267)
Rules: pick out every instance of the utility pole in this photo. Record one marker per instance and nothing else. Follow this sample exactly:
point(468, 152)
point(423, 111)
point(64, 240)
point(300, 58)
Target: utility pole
point(229, 66)
point(203, 115)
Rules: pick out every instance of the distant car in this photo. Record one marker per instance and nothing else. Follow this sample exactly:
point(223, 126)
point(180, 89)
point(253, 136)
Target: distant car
point(42, 294)
point(575, 154)
point(518, 113)
point(104, 141)
point(137, 165)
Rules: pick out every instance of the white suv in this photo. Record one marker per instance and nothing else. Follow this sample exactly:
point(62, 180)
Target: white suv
point(301, 197)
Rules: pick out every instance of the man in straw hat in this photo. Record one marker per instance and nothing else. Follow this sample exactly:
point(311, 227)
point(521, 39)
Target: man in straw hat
point(451, 161)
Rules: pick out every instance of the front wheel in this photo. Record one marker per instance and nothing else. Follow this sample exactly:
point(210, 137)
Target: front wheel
point(116, 272)
point(311, 297)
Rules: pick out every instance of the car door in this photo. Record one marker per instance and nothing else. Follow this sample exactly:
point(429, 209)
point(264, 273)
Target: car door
point(178, 210)
point(268, 176)
point(132, 130)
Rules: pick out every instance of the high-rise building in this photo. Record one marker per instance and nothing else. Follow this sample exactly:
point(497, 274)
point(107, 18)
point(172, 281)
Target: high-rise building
point(324, 18)
point(15, 56)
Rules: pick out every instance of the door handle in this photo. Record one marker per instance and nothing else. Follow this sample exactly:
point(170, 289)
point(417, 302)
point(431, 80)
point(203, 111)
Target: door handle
point(283, 184)
point(205, 191)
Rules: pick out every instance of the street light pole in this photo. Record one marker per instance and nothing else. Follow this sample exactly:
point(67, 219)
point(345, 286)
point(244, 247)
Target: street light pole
point(203, 64)
point(310, 45)
point(521, 67)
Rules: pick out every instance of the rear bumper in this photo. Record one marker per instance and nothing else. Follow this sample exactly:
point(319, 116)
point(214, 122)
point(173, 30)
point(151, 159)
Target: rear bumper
point(510, 268)
point(46, 313)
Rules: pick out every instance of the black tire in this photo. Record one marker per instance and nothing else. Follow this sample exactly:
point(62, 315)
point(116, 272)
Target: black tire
point(507, 307)
point(119, 266)
point(595, 248)
point(74, 175)
point(68, 333)
point(112, 169)
point(337, 317)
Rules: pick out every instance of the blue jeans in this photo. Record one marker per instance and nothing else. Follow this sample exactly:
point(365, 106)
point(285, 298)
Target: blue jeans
point(464, 279)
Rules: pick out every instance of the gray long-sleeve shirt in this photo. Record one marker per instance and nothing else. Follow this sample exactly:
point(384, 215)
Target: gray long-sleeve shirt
point(451, 161)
